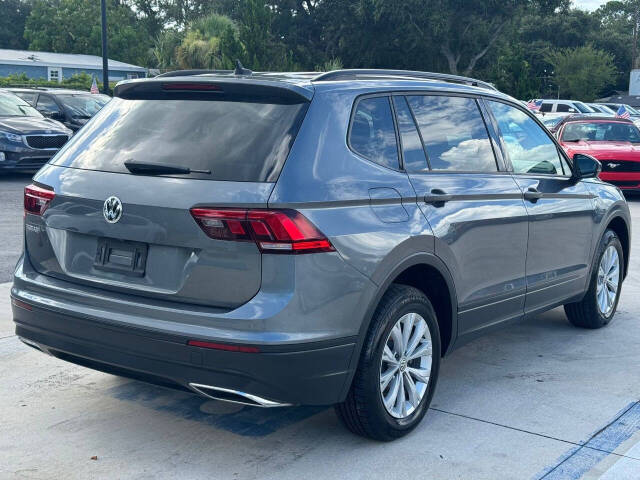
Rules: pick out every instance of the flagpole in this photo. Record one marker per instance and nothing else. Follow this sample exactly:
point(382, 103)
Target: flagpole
point(105, 61)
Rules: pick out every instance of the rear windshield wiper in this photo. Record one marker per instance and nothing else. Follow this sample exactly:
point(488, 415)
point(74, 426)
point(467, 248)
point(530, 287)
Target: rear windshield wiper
point(160, 168)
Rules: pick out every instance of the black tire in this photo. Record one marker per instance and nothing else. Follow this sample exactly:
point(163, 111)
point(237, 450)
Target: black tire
point(363, 411)
point(585, 313)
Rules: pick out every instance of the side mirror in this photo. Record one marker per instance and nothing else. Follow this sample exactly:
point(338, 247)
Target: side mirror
point(586, 166)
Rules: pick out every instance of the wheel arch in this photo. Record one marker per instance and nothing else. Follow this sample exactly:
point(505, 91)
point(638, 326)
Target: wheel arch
point(619, 225)
point(429, 274)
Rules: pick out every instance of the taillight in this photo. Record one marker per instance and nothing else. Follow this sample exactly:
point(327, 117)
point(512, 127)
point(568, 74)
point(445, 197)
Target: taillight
point(37, 199)
point(274, 231)
point(199, 87)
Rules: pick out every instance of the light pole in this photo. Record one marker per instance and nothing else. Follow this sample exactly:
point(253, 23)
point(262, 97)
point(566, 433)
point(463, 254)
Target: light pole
point(105, 60)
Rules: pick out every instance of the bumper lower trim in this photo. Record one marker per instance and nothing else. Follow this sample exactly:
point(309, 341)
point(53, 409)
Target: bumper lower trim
point(235, 396)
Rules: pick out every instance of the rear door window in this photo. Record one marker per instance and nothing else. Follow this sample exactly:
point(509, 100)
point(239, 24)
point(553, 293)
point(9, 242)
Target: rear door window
point(454, 133)
point(412, 149)
point(234, 140)
point(372, 133)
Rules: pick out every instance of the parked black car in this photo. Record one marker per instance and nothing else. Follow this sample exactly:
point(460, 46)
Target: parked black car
point(71, 107)
point(27, 139)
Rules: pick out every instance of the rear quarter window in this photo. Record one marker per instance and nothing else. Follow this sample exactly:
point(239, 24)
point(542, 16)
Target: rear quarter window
point(234, 140)
point(372, 133)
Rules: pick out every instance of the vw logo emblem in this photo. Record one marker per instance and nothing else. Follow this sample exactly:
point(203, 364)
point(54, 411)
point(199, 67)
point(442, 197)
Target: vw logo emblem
point(112, 209)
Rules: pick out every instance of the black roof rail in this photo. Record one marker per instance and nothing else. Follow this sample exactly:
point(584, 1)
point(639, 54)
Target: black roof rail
point(352, 74)
point(187, 73)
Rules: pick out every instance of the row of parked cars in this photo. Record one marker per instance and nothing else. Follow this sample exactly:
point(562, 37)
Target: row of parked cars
point(36, 123)
point(607, 131)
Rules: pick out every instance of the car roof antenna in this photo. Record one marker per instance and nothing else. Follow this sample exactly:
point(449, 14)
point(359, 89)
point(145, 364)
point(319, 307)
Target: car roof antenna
point(240, 70)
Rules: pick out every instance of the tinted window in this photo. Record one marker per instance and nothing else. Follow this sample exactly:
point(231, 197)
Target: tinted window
point(546, 107)
point(236, 141)
point(373, 134)
point(48, 104)
point(412, 150)
point(454, 134)
point(83, 106)
point(562, 107)
point(529, 147)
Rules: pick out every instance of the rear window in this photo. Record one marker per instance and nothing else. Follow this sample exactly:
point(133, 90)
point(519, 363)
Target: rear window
point(234, 140)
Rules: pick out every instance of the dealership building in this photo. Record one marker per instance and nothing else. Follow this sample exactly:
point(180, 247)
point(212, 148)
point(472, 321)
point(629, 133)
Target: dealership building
point(58, 66)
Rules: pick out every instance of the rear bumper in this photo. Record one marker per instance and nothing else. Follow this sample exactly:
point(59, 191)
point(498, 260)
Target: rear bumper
point(297, 374)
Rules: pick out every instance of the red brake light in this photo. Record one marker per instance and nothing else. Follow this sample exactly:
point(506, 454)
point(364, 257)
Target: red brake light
point(274, 231)
point(199, 87)
point(37, 199)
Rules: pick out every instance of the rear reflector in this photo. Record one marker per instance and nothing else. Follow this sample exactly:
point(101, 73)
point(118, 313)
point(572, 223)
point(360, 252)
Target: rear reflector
point(198, 87)
point(274, 231)
point(37, 199)
point(223, 346)
point(19, 304)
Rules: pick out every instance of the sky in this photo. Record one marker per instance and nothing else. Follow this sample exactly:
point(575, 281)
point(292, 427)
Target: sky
point(588, 4)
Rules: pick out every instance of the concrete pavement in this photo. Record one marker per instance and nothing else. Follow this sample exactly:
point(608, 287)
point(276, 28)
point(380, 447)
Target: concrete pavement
point(540, 399)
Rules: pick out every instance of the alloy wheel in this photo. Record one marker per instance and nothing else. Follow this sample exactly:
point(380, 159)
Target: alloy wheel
point(405, 368)
point(608, 280)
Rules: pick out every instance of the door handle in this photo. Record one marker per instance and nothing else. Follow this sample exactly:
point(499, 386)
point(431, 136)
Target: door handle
point(532, 194)
point(437, 196)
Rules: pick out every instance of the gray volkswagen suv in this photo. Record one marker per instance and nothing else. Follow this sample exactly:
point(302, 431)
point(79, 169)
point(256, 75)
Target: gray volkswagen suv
point(310, 239)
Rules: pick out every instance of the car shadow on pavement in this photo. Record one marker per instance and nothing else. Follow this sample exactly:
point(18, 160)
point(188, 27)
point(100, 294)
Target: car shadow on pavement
point(235, 418)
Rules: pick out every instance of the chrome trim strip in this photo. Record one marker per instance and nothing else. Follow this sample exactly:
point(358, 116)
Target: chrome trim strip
point(255, 401)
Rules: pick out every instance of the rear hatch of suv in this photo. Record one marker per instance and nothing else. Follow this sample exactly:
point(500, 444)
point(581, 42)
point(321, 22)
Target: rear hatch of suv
point(145, 198)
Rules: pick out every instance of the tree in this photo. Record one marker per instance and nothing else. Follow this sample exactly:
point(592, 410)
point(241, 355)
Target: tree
point(12, 20)
point(582, 72)
point(263, 50)
point(73, 26)
point(202, 45)
point(164, 49)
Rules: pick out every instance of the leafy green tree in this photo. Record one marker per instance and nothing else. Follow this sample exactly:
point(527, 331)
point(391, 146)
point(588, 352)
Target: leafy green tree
point(202, 43)
point(12, 20)
point(73, 26)
point(263, 50)
point(164, 49)
point(582, 72)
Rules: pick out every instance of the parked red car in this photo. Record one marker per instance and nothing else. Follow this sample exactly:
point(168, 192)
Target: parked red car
point(613, 141)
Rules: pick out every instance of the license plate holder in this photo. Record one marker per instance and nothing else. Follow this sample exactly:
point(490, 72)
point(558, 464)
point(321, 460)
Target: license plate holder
point(121, 256)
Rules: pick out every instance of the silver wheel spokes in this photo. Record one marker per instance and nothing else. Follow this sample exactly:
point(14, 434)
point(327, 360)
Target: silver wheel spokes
point(608, 280)
point(406, 365)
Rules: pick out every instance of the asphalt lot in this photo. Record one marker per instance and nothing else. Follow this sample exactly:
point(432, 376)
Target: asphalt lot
point(539, 399)
point(11, 187)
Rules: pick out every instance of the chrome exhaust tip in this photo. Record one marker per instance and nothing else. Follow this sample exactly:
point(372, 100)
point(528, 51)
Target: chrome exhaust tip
point(234, 396)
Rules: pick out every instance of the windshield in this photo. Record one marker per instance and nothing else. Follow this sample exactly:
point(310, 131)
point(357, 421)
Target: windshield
point(551, 122)
point(13, 106)
point(83, 106)
point(601, 132)
point(632, 110)
point(583, 107)
point(233, 140)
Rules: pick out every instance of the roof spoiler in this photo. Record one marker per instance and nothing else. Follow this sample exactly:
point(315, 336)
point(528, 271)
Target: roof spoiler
point(212, 88)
